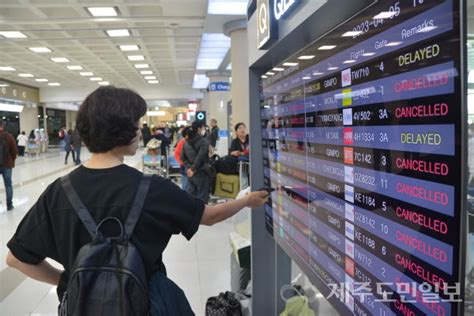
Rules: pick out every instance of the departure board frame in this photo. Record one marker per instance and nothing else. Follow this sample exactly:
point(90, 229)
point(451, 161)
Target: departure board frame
point(346, 180)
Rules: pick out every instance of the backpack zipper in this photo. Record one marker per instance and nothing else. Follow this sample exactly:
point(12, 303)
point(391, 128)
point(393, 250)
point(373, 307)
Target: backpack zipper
point(121, 270)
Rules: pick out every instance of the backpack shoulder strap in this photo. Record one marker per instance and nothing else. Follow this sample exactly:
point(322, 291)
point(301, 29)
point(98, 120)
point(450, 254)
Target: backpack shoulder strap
point(78, 206)
point(137, 206)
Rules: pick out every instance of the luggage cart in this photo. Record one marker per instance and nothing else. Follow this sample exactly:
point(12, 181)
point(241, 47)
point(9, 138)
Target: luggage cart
point(32, 148)
point(153, 162)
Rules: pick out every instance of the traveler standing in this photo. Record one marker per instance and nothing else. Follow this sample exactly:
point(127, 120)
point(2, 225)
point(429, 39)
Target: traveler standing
point(195, 156)
point(69, 147)
point(106, 188)
point(77, 144)
point(62, 135)
point(146, 134)
point(214, 134)
point(8, 152)
point(177, 155)
point(22, 143)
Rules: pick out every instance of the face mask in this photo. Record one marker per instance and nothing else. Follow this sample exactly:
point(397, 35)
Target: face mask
point(203, 132)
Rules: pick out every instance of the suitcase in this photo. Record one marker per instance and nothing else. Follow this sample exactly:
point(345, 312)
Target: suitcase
point(227, 186)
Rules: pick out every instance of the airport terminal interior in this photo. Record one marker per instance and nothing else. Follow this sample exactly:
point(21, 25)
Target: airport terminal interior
point(353, 118)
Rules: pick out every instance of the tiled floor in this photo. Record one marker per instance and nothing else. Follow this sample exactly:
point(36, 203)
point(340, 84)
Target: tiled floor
point(200, 266)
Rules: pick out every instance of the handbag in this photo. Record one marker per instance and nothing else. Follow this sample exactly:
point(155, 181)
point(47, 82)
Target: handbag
point(225, 304)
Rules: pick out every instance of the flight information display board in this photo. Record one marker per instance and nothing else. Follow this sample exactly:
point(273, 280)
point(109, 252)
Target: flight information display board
point(361, 135)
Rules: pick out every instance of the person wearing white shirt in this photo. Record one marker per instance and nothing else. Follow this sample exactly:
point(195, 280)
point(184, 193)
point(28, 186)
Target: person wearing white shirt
point(22, 142)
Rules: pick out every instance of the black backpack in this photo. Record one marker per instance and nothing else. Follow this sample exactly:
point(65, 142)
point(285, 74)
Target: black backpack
point(108, 276)
point(3, 148)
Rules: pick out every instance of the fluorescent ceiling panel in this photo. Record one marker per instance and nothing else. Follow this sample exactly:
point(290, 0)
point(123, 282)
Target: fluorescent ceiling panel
point(7, 68)
point(140, 66)
point(42, 80)
point(60, 59)
point(104, 83)
point(146, 72)
point(136, 57)
point(54, 84)
point(102, 11)
point(11, 107)
point(75, 67)
point(86, 74)
point(200, 81)
point(118, 33)
point(214, 47)
point(12, 34)
point(128, 48)
point(227, 7)
point(26, 75)
point(40, 49)
point(153, 81)
point(96, 79)
point(150, 77)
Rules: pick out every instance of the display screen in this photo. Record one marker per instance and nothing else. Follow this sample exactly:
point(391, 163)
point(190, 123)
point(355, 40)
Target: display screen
point(361, 135)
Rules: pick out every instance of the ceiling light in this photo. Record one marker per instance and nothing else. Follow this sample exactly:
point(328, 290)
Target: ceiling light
point(95, 79)
point(86, 74)
point(42, 80)
point(3, 84)
point(102, 11)
point(104, 83)
point(75, 67)
point(156, 113)
point(200, 81)
point(146, 72)
point(264, 77)
point(306, 78)
point(12, 34)
point(227, 7)
point(127, 48)
point(150, 77)
point(40, 49)
point(60, 59)
point(11, 107)
point(153, 81)
point(214, 47)
point(269, 73)
point(118, 33)
point(26, 75)
point(7, 69)
point(289, 64)
point(54, 84)
point(317, 73)
point(385, 15)
point(136, 57)
point(278, 69)
point(306, 57)
point(140, 66)
point(368, 54)
point(391, 44)
point(327, 47)
point(333, 68)
point(352, 33)
point(349, 61)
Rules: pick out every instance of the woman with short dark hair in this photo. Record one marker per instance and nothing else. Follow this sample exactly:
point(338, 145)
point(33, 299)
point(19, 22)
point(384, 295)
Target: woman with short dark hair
point(68, 146)
point(108, 123)
point(240, 144)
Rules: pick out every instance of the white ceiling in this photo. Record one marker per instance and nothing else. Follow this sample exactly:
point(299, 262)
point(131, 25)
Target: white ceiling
point(167, 31)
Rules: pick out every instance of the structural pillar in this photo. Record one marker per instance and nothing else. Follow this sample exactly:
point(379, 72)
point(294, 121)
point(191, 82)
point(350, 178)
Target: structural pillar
point(237, 30)
point(217, 100)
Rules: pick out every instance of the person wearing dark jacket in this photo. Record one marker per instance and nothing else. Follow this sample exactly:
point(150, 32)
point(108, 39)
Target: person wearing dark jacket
point(146, 134)
point(68, 146)
point(195, 157)
point(240, 144)
point(214, 134)
point(8, 164)
point(77, 144)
